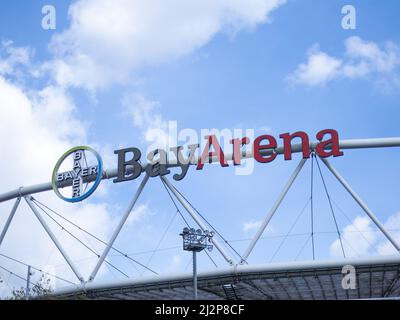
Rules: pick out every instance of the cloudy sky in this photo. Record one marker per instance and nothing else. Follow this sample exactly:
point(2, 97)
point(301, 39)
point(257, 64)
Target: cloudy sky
point(114, 74)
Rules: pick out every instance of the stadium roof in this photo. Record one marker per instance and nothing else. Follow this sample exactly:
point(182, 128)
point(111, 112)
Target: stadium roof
point(377, 278)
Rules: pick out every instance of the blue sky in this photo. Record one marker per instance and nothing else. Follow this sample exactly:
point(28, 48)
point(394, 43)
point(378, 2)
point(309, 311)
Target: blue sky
point(244, 73)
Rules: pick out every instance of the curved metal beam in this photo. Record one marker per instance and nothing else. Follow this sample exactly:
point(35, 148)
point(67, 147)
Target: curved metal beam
point(218, 275)
point(296, 148)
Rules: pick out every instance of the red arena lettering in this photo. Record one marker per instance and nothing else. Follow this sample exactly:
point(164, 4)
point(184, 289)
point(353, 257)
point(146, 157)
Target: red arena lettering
point(332, 144)
point(287, 146)
point(265, 149)
point(257, 147)
point(207, 154)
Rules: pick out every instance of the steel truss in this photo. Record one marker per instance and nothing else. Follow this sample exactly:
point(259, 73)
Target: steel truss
point(26, 192)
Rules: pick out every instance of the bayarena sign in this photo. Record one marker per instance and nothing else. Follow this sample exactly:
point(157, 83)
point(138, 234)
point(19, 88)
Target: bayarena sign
point(87, 166)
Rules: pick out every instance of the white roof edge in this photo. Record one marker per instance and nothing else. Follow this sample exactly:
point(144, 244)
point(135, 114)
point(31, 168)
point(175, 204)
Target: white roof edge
point(234, 270)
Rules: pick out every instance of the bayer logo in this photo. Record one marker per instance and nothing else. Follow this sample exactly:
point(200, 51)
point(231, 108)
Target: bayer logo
point(77, 174)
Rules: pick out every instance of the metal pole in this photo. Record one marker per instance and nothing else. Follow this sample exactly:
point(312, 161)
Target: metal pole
point(194, 276)
point(9, 219)
point(119, 227)
point(360, 202)
point(296, 148)
point(28, 280)
point(51, 235)
point(271, 213)
point(196, 218)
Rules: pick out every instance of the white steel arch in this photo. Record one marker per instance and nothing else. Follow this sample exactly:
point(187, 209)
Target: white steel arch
point(26, 192)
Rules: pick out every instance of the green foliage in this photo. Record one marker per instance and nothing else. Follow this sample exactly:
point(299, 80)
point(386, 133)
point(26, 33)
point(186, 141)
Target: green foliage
point(40, 290)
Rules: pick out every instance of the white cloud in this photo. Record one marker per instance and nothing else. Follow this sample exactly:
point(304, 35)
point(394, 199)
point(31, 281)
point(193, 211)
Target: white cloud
point(360, 238)
point(12, 57)
point(174, 264)
point(361, 59)
point(253, 225)
point(357, 239)
point(319, 69)
point(392, 225)
point(369, 53)
point(107, 40)
point(54, 110)
point(139, 213)
point(143, 112)
point(146, 117)
point(37, 127)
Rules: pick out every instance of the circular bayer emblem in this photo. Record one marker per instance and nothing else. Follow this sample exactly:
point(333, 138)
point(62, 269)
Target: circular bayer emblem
point(77, 174)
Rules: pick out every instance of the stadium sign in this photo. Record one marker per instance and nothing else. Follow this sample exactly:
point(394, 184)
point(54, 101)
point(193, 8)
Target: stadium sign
point(85, 177)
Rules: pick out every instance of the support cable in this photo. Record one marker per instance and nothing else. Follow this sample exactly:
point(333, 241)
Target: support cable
point(216, 231)
point(330, 205)
point(212, 260)
point(361, 203)
point(161, 239)
point(306, 233)
point(13, 274)
point(176, 206)
point(92, 235)
point(351, 247)
point(6, 281)
point(80, 241)
point(36, 269)
point(150, 251)
point(312, 205)
point(290, 230)
point(302, 248)
point(187, 224)
point(357, 230)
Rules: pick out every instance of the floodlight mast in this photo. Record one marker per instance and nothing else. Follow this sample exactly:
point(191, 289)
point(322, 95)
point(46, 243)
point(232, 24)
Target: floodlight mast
point(196, 241)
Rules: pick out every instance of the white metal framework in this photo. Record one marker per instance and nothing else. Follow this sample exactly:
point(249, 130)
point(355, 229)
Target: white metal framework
point(315, 280)
point(112, 173)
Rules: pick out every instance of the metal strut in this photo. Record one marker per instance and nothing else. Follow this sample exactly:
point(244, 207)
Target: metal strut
point(271, 213)
point(119, 227)
point(331, 207)
point(51, 235)
point(361, 203)
point(9, 219)
point(197, 219)
point(312, 205)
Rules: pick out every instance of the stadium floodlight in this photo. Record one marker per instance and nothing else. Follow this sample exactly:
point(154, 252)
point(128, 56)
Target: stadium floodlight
point(196, 241)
